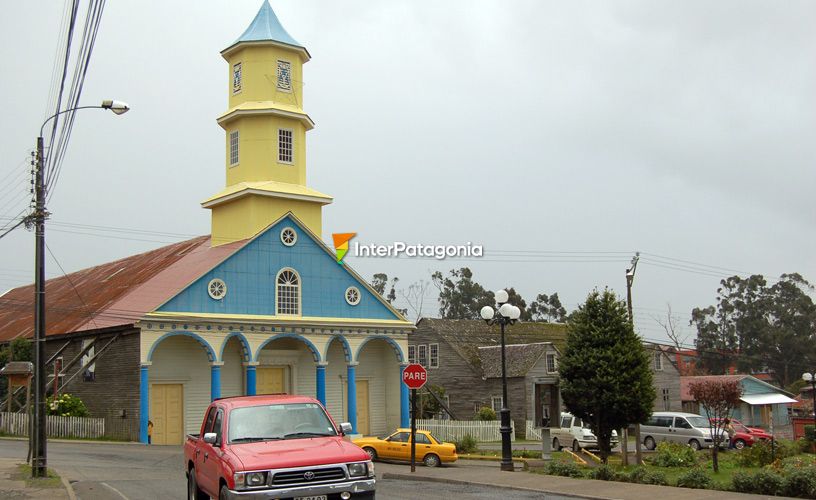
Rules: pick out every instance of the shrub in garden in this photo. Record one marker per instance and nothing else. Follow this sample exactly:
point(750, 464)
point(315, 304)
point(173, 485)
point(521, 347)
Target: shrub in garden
point(694, 478)
point(604, 473)
point(764, 482)
point(761, 453)
point(466, 445)
point(810, 433)
point(66, 405)
point(800, 483)
point(642, 475)
point(485, 413)
point(566, 469)
point(674, 455)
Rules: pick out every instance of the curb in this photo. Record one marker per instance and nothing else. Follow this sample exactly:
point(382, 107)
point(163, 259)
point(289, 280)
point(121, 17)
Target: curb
point(68, 486)
point(406, 477)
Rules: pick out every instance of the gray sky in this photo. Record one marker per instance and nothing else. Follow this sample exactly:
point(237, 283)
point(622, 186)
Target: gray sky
point(680, 129)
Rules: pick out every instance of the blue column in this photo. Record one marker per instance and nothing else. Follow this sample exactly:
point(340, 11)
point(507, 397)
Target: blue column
point(251, 383)
point(215, 381)
point(405, 404)
point(352, 396)
point(144, 402)
point(321, 383)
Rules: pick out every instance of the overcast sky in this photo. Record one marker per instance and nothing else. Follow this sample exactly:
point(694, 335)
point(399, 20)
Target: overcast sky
point(684, 130)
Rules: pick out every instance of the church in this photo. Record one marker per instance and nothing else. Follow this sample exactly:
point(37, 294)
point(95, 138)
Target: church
point(259, 306)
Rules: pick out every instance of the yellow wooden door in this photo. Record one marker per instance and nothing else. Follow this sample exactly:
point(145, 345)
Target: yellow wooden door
point(167, 413)
point(269, 380)
point(363, 426)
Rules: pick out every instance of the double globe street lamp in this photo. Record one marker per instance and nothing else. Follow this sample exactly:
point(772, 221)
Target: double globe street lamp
point(506, 314)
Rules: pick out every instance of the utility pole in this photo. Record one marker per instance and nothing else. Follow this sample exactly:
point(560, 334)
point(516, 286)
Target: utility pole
point(630, 278)
point(38, 438)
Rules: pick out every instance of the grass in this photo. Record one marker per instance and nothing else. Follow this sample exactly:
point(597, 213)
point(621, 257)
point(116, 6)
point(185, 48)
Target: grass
point(24, 474)
point(516, 453)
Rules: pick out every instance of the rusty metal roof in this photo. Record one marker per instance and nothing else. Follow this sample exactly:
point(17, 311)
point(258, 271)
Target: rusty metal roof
point(112, 294)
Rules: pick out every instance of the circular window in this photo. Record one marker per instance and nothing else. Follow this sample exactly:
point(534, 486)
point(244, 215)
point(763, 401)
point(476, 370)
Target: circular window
point(217, 289)
point(288, 236)
point(353, 295)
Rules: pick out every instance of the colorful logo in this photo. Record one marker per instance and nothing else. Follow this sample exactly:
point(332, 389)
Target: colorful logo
point(341, 244)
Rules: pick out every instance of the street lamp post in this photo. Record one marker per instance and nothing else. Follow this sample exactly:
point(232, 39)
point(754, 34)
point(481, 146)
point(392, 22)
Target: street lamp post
point(507, 314)
point(811, 377)
point(38, 437)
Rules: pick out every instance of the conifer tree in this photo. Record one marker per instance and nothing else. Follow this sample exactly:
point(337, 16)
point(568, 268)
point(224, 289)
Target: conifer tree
point(606, 379)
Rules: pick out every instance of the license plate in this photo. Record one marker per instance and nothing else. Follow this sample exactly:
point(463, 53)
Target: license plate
point(316, 497)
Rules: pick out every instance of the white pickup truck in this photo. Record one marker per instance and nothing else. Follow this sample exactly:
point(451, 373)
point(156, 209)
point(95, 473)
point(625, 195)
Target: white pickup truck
point(575, 434)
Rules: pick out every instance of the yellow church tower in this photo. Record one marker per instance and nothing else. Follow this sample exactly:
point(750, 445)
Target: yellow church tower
point(265, 128)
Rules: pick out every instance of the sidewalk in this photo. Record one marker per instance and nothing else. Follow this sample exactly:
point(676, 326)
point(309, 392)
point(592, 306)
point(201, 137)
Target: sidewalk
point(13, 484)
point(488, 474)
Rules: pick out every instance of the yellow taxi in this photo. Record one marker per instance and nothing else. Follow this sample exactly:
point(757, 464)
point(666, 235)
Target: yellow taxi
point(430, 450)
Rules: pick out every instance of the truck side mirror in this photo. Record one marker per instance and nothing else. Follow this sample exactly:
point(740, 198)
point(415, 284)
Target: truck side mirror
point(345, 428)
point(210, 437)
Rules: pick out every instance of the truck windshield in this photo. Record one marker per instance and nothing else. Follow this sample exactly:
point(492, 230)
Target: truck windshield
point(279, 421)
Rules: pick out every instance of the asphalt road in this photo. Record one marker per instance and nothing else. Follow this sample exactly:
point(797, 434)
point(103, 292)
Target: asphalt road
point(137, 472)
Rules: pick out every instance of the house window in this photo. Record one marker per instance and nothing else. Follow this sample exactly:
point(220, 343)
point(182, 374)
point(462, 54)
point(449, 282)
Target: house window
point(552, 365)
point(434, 355)
point(422, 352)
point(658, 361)
point(411, 354)
point(88, 368)
point(285, 154)
point(666, 401)
point(496, 403)
point(236, 78)
point(288, 292)
point(284, 76)
point(234, 148)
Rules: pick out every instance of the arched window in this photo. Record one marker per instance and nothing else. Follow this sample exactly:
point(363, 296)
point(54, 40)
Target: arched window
point(288, 292)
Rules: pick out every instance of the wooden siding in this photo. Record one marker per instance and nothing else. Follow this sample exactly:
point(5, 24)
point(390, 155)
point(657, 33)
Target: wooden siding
point(668, 378)
point(232, 372)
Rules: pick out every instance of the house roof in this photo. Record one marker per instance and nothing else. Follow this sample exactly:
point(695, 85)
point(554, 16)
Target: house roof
point(113, 294)
point(519, 358)
point(465, 336)
point(685, 394)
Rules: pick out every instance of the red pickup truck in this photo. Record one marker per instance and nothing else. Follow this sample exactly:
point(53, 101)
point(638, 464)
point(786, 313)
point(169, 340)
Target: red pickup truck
point(275, 446)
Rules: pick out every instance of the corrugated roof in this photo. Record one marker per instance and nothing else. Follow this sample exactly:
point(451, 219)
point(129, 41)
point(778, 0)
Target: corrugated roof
point(467, 335)
point(112, 294)
point(685, 395)
point(519, 358)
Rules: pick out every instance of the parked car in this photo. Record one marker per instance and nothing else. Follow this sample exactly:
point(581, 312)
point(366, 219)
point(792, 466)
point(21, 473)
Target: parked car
point(574, 433)
point(275, 446)
point(746, 436)
point(429, 449)
point(685, 428)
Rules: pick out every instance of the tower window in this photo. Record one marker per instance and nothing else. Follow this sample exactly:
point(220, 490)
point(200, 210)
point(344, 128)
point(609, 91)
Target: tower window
point(288, 292)
point(234, 148)
point(285, 152)
point(284, 76)
point(236, 78)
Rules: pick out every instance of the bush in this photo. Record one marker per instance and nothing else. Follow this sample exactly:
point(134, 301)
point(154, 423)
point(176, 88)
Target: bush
point(674, 455)
point(67, 405)
point(764, 482)
point(761, 453)
point(604, 473)
point(810, 433)
point(642, 475)
point(800, 483)
point(485, 413)
point(466, 445)
point(566, 469)
point(694, 478)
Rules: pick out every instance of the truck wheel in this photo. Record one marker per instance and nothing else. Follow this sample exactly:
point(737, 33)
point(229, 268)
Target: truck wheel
point(556, 445)
point(695, 445)
point(575, 446)
point(649, 443)
point(372, 453)
point(224, 493)
point(431, 460)
point(739, 444)
point(193, 491)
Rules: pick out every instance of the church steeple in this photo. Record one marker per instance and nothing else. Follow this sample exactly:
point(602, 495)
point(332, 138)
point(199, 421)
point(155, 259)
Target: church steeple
point(265, 135)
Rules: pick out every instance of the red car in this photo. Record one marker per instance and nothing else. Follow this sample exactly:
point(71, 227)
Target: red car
point(274, 446)
point(747, 436)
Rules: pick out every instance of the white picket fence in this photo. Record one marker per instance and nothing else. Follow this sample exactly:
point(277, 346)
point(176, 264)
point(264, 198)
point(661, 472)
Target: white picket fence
point(531, 432)
point(17, 424)
point(455, 430)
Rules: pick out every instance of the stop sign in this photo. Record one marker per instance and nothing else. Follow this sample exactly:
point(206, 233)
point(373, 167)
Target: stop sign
point(414, 376)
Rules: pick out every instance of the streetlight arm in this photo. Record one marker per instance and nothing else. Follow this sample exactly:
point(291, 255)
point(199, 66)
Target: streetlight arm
point(117, 107)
